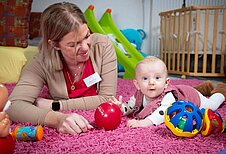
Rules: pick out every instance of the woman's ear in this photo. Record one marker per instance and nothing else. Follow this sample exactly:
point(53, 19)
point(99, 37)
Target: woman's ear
point(135, 82)
point(53, 44)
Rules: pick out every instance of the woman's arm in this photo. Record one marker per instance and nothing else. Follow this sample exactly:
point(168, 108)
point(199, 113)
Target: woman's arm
point(25, 93)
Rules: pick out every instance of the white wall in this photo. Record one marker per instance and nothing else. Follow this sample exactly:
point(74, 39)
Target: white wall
point(135, 14)
point(125, 13)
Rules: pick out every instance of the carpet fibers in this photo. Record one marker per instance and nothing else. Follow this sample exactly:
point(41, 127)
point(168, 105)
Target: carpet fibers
point(156, 139)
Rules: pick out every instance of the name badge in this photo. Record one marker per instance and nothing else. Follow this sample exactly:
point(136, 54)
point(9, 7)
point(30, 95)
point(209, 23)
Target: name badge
point(92, 79)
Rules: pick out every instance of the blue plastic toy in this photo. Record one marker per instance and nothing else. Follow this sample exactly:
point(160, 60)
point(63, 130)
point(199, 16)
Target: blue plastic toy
point(135, 37)
point(184, 119)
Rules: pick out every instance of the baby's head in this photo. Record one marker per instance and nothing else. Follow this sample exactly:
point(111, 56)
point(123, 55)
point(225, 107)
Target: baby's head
point(151, 76)
point(151, 61)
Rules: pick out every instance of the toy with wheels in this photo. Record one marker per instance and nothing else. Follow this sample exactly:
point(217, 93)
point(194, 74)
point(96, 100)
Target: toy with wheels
point(184, 119)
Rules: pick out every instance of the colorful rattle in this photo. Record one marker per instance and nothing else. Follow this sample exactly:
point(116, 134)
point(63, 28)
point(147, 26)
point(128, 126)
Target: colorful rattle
point(183, 119)
point(28, 133)
point(212, 123)
point(186, 120)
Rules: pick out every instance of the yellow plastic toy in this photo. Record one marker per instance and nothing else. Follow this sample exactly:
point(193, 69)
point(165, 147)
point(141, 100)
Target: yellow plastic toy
point(183, 119)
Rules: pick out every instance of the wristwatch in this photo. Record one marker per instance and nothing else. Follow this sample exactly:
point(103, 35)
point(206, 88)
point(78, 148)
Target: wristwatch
point(55, 105)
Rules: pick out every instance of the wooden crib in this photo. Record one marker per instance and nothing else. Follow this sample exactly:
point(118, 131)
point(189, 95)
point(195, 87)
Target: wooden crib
point(193, 40)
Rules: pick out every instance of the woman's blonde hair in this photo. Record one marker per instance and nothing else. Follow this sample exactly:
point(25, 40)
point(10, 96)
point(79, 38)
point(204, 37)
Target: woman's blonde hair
point(56, 21)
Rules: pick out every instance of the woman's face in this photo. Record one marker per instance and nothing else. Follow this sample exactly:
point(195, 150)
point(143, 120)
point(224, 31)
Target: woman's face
point(75, 45)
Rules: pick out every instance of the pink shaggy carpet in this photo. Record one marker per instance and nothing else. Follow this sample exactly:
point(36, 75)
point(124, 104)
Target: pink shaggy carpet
point(156, 139)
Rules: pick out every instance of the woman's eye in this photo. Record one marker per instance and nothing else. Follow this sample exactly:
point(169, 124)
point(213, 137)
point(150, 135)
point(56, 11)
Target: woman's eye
point(72, 45)
point(157, 77)
point(87, 36)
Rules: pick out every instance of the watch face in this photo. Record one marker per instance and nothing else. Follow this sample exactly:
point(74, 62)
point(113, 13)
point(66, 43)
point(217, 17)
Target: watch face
point(55, 106)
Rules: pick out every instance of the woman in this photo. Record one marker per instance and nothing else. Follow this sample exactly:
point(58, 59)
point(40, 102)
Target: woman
point(79, 69)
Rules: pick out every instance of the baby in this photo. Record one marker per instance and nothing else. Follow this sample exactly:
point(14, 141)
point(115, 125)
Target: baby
point(155, 93)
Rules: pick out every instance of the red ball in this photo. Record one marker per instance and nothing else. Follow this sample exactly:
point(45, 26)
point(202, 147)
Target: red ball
point(108, 116)
point(7, 144)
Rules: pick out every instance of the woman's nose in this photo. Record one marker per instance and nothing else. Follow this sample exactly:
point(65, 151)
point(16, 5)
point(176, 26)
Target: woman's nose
point(84, 44)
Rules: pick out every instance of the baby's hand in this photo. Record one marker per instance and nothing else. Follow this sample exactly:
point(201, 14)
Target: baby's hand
point(115, 101)
point(139, 123)
point(4, 124)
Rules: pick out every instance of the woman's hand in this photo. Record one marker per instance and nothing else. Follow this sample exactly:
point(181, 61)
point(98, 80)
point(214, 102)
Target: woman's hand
point(139, 123)
point(115, 101)
point(4, 124)
point(73, 124)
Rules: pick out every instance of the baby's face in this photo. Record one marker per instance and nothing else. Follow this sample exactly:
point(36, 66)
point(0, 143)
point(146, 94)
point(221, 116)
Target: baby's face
point(151, 79)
